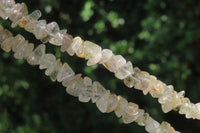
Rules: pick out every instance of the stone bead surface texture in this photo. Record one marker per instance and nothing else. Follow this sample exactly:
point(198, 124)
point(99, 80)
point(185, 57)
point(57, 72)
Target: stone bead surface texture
point(92, 53)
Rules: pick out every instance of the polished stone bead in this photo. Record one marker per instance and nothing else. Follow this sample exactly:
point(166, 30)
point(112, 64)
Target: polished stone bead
point(106, 55)
point(130, 113)
point(122, 104)
point(112, 103)
point(6, 7)
point(66, 82)
point(7, 44)
point(131, 81)
point(47, 60)
point(52, 28)
point(34, 16)
point(114, 63)
point(102, 103)
point(24, 51)
point(4, 34)
point(67, 41)
point(98, 91)
point(57, 39)
point(92, 53)
point(17, 12)
point(151, 125)
point(75, 86)
point(19, 41)
point(31, 26)
point(76, 44)
point(40, 31)
point(86, 91)
point(65, 72)
point(36, 56)
point(141, 117)
point(169, 101)
point(52, 71)
point(165, 127)
point(157, 89)
point(124, 71)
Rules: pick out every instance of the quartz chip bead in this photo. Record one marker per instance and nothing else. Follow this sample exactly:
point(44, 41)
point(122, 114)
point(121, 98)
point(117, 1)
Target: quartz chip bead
point(124, 71)
point(47, 60)
point(130, 113)
point(75, 86)
point(157, 88)
point(29, 19)
point(107, 103)
point(24, 51)
point(67, 42)
point(92, 53)
point(4, 34)
point(151, 125)
point(165, 127)
point(106, 55)
point(6, 7)
point(52, 28)
point(7, 44)
point(66, 82)
point(86, 91)
point(170, 99)
point(122, 104)
point(17, 12)
point(19, 41)
point(98, 91)
point(65, 72)
point(36, 56)
point(114, 63)
point(141, 117)
point(40, 31)
point(53, 70)
point(131, 81)
point(57, 39)
point(77, 47)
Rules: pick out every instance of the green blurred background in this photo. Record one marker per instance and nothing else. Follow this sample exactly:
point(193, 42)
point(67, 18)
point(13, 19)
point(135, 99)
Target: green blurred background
point(161, 37)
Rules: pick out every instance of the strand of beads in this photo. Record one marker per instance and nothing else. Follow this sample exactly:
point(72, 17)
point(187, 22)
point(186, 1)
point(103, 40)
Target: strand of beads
point(141, 80)
point(83, 88)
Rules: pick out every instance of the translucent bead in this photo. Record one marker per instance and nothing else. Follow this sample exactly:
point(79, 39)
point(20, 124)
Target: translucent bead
point(53, 70)
point(24, 51)
point(7, 44)
point(98, 91)
point(36, 56)
point(47, 60)
point(75, 86)
point(6, 7)
point(52, 28)
point(34, 16)
point(130, 113)
point(165, 127)
point(65, 72)
point(77, 42)
point(106, 55)
point(92, 53)
point(122, 104)
point(157, 89)
point(124, 71)
point(114, 63)
point(31, 26)
point(19, 41)
point(66, 82)
point(17, 12)
point(86, 92)
point(151, 125)
point(112, 103)
point(67, 41)
point(141, 117)
point(58, 38)
point(131, 81)
point(4, 34)
point(102, 103)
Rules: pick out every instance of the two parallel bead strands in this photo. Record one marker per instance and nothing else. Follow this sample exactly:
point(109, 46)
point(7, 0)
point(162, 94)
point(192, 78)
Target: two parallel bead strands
point(132, 77)
point(83, 88)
